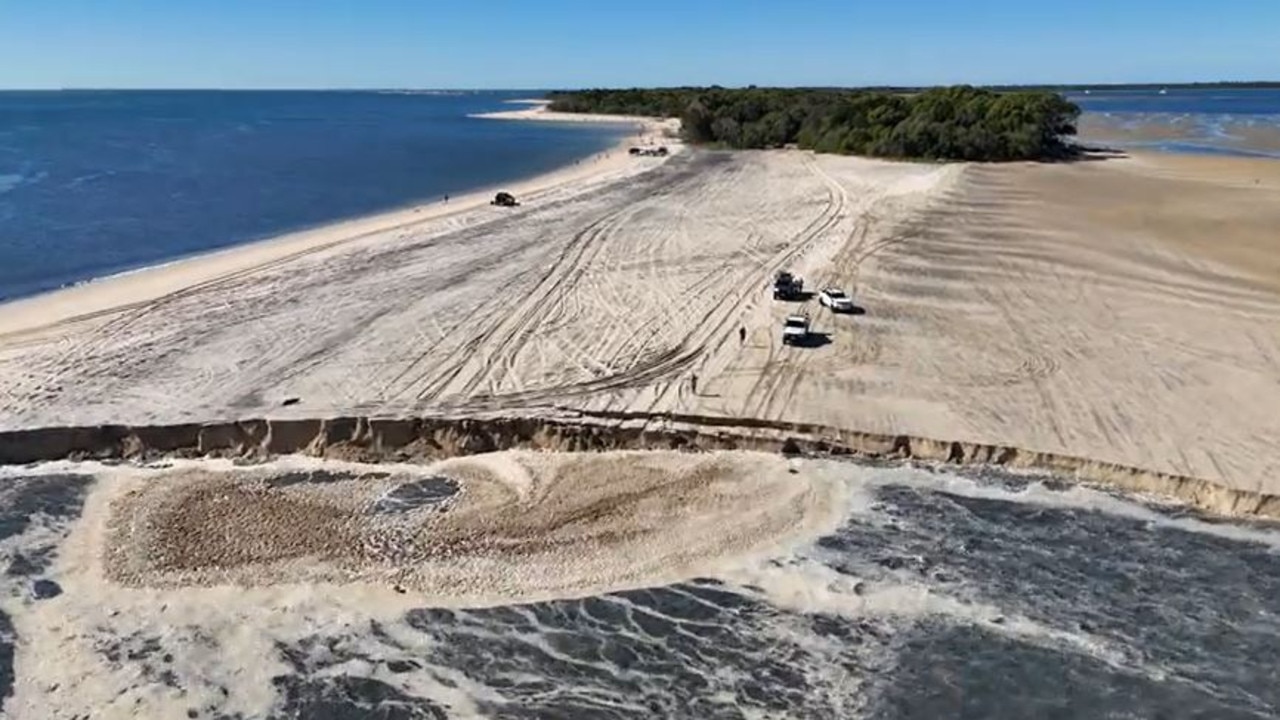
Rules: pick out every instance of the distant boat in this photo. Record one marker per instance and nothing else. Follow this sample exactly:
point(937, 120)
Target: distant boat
point(1164, 91)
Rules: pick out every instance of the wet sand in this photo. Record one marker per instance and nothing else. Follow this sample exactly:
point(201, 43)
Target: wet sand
point(1207, 135)
point(488, 530)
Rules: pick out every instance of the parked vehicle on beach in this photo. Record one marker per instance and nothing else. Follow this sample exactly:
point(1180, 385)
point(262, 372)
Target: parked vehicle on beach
point(795, 330)
point(836, 300)
point(504, 199)
point(787, 287)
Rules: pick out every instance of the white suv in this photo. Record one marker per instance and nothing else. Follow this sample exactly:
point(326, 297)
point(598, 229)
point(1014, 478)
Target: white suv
point(835, 299)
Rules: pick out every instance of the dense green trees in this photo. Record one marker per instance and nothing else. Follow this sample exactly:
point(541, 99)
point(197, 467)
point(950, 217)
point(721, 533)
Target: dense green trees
point(955, 123)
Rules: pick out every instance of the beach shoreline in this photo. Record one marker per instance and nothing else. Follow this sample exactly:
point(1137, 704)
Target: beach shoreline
point(142, 284)
point(1187, 136)
point(539, 111)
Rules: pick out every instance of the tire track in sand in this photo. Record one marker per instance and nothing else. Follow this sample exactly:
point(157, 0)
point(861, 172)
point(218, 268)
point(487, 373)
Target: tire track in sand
point(766, 396)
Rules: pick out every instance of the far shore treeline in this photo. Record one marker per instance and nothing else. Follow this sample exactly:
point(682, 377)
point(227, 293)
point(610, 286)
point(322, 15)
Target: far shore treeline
point(951, 123)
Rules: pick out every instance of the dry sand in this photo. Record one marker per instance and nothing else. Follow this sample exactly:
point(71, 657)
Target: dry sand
point(1124, 310)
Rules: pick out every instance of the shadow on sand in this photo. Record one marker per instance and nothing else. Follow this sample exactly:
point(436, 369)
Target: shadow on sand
point(1088, 153)
point(812, 340)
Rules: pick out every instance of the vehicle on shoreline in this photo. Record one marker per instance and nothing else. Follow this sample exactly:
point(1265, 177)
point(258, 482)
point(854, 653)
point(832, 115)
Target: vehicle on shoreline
point(649, 151)
point(504, 199)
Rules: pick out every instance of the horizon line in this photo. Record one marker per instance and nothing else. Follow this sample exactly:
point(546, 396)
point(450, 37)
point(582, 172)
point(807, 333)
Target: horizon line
point(1191, 83)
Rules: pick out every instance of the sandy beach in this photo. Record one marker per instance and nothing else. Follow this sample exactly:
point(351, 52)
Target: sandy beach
point(1124, 310)
point(538, 111)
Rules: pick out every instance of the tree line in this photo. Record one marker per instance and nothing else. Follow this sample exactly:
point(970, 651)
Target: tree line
point(952, 123)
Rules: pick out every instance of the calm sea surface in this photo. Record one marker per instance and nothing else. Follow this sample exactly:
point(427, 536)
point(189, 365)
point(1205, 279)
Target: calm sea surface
point(95, 183)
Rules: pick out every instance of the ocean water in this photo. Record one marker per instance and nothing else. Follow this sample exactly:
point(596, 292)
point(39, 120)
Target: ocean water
point(1232, 122)
point(977, 595)
point(95, 183)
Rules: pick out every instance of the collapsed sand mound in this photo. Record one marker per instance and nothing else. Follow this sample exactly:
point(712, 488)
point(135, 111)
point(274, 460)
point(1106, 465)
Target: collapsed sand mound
point(492, 528)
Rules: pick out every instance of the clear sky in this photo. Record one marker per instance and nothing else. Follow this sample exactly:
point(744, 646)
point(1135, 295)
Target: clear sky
point(575, 43)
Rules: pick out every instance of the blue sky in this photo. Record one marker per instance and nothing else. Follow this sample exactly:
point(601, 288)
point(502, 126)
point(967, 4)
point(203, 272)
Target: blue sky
point(576, 43)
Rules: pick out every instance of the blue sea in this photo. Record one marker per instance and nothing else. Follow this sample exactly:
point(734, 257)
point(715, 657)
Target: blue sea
point(1219, 121)
point(94, 183)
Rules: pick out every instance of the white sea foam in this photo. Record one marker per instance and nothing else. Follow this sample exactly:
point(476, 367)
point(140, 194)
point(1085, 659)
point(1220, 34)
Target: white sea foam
point(1075, 496)
point(230, 637)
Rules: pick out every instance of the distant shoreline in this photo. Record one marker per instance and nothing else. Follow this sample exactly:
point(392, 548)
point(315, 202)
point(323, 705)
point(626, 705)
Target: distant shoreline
point(1173, 85)
point(539, 111)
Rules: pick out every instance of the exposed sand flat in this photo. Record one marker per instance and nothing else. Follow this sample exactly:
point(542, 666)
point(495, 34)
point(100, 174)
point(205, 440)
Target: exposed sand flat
point(1240, 134)
point(489, 529)
point(1122, 310)
point(537, 110)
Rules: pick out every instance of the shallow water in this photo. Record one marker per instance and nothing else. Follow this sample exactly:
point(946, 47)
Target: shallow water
point(976, 595)
point(1231, 122)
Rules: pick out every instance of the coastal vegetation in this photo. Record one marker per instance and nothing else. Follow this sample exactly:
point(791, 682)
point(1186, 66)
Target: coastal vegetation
point(953, 123)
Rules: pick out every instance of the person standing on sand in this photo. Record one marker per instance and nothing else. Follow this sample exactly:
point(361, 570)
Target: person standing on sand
point(742, 335)
point(693, 384)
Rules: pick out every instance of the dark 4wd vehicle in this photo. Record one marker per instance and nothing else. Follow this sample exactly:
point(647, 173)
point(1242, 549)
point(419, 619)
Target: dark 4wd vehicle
point(787, 287)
